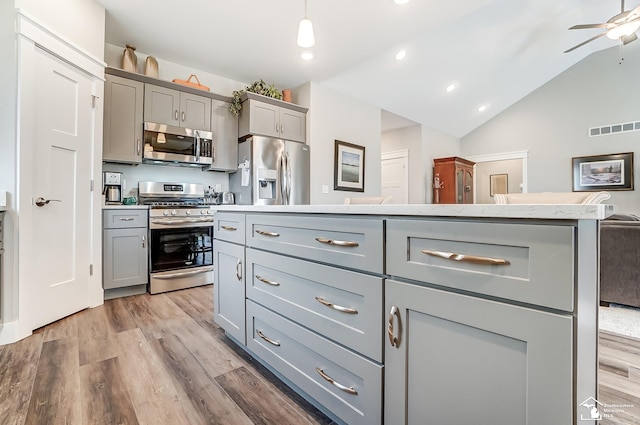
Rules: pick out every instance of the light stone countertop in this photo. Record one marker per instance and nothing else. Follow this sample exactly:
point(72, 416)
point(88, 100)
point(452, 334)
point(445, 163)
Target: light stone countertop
point(3, 200)
point(518, 211)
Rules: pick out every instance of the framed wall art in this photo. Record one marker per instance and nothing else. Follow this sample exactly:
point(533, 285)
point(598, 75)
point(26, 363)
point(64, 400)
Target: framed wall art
point(499, 183)
point(603, 172)
point(348, 167)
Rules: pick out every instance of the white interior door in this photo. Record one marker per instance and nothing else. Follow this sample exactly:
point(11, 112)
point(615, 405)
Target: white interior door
point(58, 241)
point(395, 177)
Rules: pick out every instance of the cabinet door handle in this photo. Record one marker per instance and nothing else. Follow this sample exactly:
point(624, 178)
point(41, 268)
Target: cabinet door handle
point(269, 340)
point(267, 281)
point(281, 129)
point(230, 228)
point(394, 340)
point(348, 310)
point(467, 258)
point(265, 233)
point(139, 145)
point(338, 385)
point(239, 270)
point(126, 218)
point(175, 115)
point(348, 244)
point(144, 241)
point(277, 128)
point(182, 116)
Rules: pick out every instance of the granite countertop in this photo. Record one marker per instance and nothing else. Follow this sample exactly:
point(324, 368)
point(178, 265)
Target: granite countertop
point(557, 212)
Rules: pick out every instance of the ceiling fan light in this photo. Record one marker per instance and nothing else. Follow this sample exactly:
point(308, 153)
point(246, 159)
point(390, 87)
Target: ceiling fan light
point(306, 55)
point(305, 34)
point(623, 30)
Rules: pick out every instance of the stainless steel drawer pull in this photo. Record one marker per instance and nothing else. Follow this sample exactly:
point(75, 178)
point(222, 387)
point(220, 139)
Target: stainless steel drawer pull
point(267, 281)
point(183, 274)
point(394, 340)
point(239, 270)
point(348, 244)
point(329, 379)
point(269, 340)
point(337, 307)
point(467, 258)
point(126, 218)
point(230, 228)
point(265, 233)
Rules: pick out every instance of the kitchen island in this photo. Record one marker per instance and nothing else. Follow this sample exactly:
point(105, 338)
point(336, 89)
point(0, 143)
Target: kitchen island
point(418, 313)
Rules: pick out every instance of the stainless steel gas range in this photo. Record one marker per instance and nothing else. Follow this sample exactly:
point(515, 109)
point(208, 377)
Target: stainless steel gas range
point(180, 235)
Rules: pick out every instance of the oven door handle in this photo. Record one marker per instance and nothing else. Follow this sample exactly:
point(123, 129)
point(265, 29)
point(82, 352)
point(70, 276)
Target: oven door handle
point(170, 222)
point(183, 274)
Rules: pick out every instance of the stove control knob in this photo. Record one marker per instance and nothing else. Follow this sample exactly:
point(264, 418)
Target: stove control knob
point(165, 212)
point(174, 212)
point(187, 212)
point(203, 211)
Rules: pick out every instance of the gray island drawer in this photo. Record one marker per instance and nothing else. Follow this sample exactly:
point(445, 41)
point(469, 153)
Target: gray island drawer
point(354, 242)
point(229, 227)
point(301, 355)
point(124, 218)
point(343, 305)
point(539, 258)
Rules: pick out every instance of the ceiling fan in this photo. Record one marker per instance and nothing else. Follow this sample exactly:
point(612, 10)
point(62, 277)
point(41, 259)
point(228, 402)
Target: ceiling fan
point(622, 26)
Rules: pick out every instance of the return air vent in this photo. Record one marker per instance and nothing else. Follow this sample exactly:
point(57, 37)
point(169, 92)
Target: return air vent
point(614, 128)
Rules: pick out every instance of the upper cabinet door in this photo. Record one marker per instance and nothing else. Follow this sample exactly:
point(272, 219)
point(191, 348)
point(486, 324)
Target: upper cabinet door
point(161, 105)
point(264, 118)
point(122, 120)
point(224, 126)
point(195, 112)
point(292, 125)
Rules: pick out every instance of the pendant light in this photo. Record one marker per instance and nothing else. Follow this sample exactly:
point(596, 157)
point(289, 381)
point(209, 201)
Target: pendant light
point(305, 31)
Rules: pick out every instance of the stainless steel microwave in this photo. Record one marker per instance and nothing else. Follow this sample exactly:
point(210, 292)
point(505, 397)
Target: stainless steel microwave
point(166, 144)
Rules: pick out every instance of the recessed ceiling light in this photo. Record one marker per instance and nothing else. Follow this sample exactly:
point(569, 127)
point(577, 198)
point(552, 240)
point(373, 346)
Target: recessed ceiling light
point(482, 108)
point(401, 55)
point(451, 87)
point(401, 1)
point(306, 55)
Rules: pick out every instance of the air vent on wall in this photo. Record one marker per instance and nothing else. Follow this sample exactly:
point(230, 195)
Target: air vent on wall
point(614, 128)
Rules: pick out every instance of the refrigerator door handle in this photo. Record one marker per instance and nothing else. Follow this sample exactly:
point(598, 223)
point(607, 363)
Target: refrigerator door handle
point(282, 178)
point(288, 179)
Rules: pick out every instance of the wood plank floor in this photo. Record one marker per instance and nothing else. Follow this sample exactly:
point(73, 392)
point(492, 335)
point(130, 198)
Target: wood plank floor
point(146, 359)
point(160, 359)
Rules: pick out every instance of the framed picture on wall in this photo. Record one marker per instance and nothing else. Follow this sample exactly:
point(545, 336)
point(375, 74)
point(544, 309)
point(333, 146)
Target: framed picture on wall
point(498, 183)
point(603, 172)
point(348, 167)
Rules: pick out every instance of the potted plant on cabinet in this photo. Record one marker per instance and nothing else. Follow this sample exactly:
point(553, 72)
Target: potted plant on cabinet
point(259, 87)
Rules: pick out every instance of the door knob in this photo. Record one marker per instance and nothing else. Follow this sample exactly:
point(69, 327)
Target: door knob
point(41, 202)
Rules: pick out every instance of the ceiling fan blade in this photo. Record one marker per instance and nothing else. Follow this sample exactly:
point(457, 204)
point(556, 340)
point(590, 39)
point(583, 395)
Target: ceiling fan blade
point(584, 26)
point(628, 39)
point(585, 42)
point(634, 14)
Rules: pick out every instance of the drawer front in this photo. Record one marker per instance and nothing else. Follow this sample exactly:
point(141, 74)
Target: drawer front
point(355, 243)
point(229, 227)
point(123, 219)
point(301, 356)
point(538, 259)
point(344, 305)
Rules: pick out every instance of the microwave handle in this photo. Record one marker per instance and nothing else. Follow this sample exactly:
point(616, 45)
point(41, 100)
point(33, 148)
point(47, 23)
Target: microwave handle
point(198, 146)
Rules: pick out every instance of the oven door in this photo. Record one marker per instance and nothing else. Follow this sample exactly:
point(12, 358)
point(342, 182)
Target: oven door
point(180, 257)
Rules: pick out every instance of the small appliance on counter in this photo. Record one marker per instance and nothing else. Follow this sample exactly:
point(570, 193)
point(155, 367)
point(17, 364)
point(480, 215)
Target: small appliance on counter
point(112, 188)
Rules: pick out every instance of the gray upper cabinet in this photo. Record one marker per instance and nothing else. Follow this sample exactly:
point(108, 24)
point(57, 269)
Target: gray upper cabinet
point(122, 120)
point(172, 107)
point(266, 119)
point(224, 126)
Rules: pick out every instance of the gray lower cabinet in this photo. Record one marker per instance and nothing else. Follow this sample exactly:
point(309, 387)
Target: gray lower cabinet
point(122, 132)
point(229, 295)
point(458, 359)
point(125, 260)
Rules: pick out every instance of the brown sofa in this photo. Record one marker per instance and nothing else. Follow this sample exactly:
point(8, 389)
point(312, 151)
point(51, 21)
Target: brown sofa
point(620, 260)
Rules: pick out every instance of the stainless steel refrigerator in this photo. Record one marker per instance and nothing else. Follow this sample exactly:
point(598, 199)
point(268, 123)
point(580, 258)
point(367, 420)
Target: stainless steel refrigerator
point(271, 172)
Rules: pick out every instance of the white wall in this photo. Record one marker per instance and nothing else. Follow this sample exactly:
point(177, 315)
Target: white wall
point(335, 116)
point(435, 145)
point(409, 138)
point(169, 70)
point(552, 122)
point(79, 21)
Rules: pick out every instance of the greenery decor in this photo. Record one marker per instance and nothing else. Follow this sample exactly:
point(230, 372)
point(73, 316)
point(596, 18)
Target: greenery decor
point(259, 87)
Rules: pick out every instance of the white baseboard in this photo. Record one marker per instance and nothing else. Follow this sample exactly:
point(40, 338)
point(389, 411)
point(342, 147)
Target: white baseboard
point(10, 333)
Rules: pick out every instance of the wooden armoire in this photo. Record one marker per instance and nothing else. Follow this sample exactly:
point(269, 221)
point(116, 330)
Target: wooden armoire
point(452, 180)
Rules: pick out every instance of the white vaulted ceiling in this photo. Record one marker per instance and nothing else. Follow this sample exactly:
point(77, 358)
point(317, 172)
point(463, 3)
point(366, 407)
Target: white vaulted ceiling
point(496, 51)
